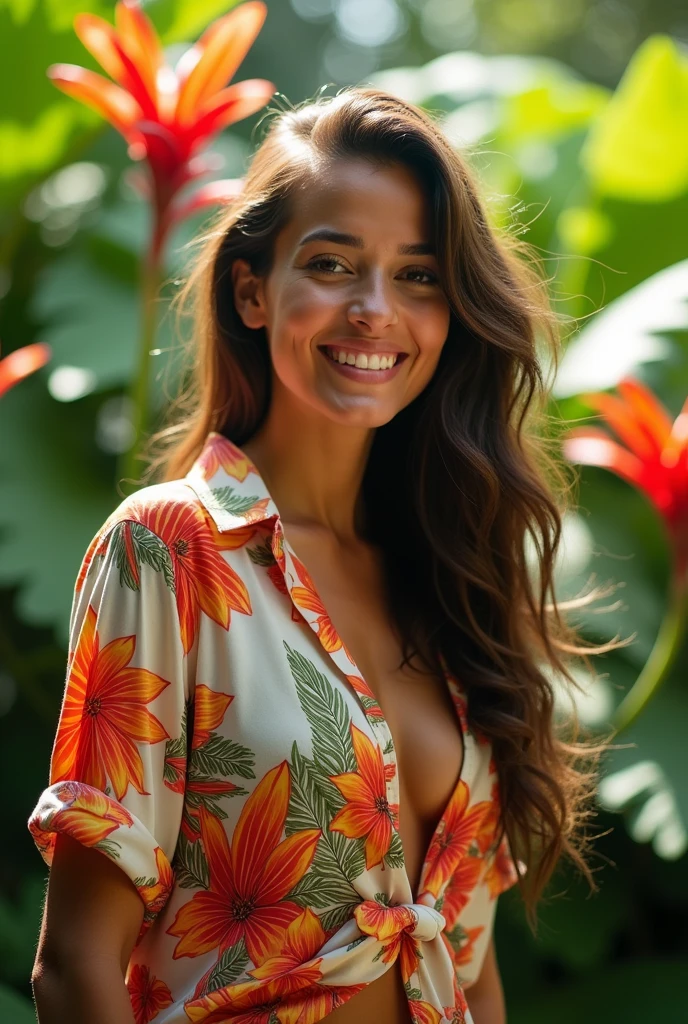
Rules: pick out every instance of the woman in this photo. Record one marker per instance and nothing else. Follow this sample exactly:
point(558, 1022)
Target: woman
point(303, 710)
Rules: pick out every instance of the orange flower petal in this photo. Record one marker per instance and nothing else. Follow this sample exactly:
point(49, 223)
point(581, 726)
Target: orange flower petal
point(109, 100)
point(218, 853)
point(140, 42)
point(200, 925)
point(209, 710)
point(260, 825)
point(288, 862)
point(230, 105)
point(21, 363)
point(223, 47)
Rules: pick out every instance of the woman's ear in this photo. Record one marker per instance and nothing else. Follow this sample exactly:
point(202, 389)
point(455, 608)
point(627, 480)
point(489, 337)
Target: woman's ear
point(249, 295)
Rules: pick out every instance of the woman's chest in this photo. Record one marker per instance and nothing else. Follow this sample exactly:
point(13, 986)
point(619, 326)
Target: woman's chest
point(414, 701)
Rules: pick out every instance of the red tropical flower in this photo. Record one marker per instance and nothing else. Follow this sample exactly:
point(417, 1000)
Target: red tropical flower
point(459, 827)
point(220, 453)
point(250, 879)
point(166, 114)
point(88, 815)
point(104, 715)
point(148, 994)
point(653, 455)
point(203, 580)
point(367, 811)
point(21, 363)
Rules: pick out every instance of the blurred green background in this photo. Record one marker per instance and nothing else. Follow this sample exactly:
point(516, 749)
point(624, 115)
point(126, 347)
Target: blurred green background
point(575, 115)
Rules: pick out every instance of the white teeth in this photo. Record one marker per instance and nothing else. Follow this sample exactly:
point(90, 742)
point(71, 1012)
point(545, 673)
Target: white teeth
point(361, 361)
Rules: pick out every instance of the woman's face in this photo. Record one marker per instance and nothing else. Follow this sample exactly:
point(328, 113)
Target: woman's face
point(354, 276)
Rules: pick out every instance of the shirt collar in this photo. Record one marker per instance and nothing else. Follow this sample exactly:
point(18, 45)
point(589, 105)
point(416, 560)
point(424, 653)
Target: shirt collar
point(229, 485)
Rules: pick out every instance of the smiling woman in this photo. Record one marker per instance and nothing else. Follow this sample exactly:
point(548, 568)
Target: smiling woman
point(307, 739)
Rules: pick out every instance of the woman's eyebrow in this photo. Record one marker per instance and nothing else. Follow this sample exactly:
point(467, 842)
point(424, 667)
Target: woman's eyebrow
point(356, 242)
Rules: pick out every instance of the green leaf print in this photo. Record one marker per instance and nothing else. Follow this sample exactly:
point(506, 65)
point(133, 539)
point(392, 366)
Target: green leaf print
point(337, 860)
point(333, 919)
point(110, 847)
point(457, 937)
point(190, 865)
point(146, 548)
point(394, 858)
point(231, 964)
point(261, 554)
point(227, 499)
point(327, 714)
point(220, 756)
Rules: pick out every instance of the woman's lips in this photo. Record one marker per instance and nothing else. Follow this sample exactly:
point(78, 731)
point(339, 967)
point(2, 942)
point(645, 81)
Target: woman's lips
point(364, 376)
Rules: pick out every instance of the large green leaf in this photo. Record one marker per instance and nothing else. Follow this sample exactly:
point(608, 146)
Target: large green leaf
point(629, 332)
point(638, 150)
point(56, 491)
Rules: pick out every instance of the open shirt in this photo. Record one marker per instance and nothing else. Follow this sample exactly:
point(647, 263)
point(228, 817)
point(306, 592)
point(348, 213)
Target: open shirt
point(217, 742)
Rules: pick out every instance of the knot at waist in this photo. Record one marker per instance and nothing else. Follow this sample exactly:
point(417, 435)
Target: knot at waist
point(386, 923)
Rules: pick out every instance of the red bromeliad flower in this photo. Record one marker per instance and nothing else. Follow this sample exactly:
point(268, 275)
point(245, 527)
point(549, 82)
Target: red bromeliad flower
point(21, 363)
point(167, 115)
point(653, 456)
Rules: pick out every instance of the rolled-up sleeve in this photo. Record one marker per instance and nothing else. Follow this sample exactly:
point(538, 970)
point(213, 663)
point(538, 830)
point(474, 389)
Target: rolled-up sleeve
point(117, 768)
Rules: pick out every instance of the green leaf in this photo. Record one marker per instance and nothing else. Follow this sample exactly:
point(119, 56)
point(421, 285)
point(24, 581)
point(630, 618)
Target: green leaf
point(638, 148)
point(182, 20)
point(629, 332)
point(337, 916)
point(190, 864)
point(327, 714)
point(220, 756)
point(228, 968)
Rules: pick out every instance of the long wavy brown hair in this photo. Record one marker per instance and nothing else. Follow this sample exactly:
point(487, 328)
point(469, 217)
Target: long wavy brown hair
point(480, 491)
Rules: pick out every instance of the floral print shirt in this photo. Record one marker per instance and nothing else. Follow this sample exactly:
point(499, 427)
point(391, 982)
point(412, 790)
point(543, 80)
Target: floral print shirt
point(217, 741)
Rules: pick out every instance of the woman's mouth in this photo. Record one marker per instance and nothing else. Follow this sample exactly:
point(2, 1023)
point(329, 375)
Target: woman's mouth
point(372, 369)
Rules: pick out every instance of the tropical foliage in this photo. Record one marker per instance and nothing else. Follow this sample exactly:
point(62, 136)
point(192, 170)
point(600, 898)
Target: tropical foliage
point(93, 240)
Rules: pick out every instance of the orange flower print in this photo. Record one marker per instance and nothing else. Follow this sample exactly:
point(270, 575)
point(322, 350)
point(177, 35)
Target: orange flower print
point(423, 1013)
point(287, 983)
point(203, 580)
point(220, 453)
point(155, 896)
point(501, 872)
point(464, 954)
point(88, 816)
point(290, 969)
point(367, 811)
point(148, 994)
point(392, 926)
point(250, 879)
point(457, 830)
point(196, 789)
point(209, 710)
point(368, 698)
point(307, 597)
point(459, 888)
point(456, 1014)
point(104, 715)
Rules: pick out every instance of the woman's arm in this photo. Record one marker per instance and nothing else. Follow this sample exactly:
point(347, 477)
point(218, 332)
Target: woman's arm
point(486, 995)
point(91, 920)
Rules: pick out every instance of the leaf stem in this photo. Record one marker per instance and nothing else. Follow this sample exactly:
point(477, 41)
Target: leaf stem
point(151, 272)
point(663, 654)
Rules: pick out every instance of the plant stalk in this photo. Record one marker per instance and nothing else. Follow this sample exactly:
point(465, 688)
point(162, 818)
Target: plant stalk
point(151, 272)
point(663, 654)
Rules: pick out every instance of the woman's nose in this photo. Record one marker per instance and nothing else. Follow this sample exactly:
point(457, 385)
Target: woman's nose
point(373, 304)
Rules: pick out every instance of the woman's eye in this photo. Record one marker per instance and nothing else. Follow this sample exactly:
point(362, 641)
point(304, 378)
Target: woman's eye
point(325, 263)
point(427, 274)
